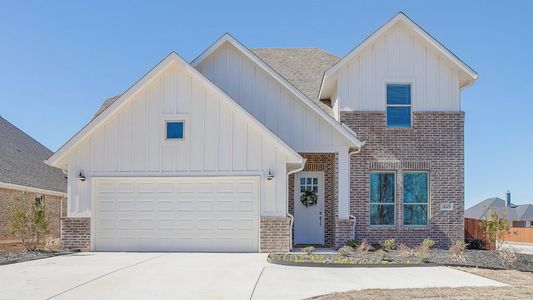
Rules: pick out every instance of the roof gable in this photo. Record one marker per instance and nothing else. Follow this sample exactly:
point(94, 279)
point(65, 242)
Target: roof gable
point(22, 161)
point(58, 158)
point(342, 129)
point(404, 19)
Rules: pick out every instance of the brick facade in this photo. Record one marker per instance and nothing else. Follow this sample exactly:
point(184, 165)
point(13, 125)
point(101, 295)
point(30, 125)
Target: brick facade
point(435, 144)
point(274, 233)
point(76, 233)
point(54, 205)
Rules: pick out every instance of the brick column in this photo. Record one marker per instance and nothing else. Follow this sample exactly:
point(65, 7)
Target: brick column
point(76, 233)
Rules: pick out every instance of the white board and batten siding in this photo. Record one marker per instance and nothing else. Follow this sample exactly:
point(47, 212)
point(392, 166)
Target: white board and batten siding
point(399, 56)
point(268, 101)
point(218, 142)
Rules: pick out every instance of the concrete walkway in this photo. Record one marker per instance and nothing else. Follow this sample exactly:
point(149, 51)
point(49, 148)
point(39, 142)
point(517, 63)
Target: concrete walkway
point(204, 276)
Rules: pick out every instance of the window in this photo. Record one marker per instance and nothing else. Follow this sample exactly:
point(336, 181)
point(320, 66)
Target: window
point(174, 130)
point(415, 198)
point(382, 198)
point(398, 105)
point(309, 184)
point(38, 203)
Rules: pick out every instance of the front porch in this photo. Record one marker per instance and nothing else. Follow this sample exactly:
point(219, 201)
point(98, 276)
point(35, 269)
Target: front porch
point(325, 224)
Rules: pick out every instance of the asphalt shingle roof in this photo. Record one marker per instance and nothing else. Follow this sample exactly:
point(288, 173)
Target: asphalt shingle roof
point(302, 67)
point(484, 210)
point(22, 161)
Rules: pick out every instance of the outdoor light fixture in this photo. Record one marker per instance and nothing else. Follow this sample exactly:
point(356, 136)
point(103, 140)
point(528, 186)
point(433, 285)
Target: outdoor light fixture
point(270, 176)
point(81, 176)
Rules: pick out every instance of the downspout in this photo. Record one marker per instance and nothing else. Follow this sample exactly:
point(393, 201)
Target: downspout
point(352, 217)
point(291, 217)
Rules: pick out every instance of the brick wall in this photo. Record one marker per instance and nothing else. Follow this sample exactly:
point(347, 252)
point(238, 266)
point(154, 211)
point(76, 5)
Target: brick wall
point(76, 233)
point(53, 206)
point(435, 143)
point(324, 162)
point(275, 234)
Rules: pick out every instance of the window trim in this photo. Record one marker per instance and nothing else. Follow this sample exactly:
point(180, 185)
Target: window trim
point(428, 203)
point(399, 82)
point(174, 118)
point(395, 173)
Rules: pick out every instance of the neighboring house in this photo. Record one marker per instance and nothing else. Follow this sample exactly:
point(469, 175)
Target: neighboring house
point(216, 155)
point(22, 169)
point(518, 215)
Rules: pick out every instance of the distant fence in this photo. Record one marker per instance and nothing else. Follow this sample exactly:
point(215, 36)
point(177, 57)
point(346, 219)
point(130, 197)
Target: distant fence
point(474, 230)
point(520, 234)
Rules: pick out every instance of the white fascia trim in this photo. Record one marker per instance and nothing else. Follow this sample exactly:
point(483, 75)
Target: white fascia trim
point(349, 135)
point(10, 186)
point(173, 57)
point(400, 17)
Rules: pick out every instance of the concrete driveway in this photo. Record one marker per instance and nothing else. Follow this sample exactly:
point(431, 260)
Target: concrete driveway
point(204, 276)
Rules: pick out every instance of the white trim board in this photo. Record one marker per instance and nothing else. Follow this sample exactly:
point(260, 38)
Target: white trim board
point(29, 189)
point(349, 135)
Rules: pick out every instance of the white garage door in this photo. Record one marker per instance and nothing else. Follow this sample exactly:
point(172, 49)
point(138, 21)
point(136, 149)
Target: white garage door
point(176, 214)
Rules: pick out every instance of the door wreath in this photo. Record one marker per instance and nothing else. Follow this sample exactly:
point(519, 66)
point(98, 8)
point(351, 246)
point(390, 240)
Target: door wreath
point(309, 198)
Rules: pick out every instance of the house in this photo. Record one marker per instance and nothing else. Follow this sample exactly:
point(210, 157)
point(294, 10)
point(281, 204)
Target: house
point(518, 215)
point(262, 149)
point(22, 169)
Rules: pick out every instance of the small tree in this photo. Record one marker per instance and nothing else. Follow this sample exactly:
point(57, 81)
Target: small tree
point(495, 229)
point(28, 220)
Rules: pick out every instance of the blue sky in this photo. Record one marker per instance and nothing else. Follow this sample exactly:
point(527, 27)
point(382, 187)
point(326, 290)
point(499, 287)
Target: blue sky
point(60, 59)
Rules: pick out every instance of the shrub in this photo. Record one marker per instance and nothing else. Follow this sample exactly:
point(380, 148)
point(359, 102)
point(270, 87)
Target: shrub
point(389, 244)
point(405, 250)
point(495, 229)
point(474, 244)
point(352, 243)
point(365, 246)
point(428, 243)
point(457, 251)
point(381, 254)
point(28, 220)
point(309, 250)
point(508, 254)
point(345, 250)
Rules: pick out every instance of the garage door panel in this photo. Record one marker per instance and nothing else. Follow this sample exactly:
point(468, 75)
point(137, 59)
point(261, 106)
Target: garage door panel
point(177, 214)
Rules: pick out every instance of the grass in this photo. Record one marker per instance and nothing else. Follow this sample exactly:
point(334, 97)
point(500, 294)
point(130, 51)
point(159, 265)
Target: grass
point(521, 288)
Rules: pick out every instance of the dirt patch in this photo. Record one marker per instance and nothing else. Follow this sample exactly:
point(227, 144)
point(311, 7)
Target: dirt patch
point(521, 288)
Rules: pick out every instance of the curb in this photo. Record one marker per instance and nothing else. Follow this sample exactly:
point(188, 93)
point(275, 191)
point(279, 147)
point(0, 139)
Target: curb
point(339, 265)
point(24, 259)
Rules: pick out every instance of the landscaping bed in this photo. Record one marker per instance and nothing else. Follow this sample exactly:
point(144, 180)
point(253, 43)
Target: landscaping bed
point(15, 252)
point(483, 259)
point(391, 256)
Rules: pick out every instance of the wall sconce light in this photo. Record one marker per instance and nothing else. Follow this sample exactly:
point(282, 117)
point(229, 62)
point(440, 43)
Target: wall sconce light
point(270, 176)
point(81, 176)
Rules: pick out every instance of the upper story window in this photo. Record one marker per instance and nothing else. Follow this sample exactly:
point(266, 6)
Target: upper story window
point(398, 105)
point(174, 130)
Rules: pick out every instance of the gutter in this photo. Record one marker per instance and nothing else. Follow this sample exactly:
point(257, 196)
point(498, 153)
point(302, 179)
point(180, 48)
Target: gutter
point(352, 217)
point(291, 217)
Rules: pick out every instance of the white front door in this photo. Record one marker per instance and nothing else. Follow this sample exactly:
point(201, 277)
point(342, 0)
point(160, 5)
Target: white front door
point(309, 220)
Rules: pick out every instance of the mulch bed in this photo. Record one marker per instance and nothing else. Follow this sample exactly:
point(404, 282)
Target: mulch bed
point(472, 258)
point(483, 259)
point(11, 253)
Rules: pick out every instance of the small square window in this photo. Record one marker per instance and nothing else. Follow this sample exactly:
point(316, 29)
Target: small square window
point(174, 130)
